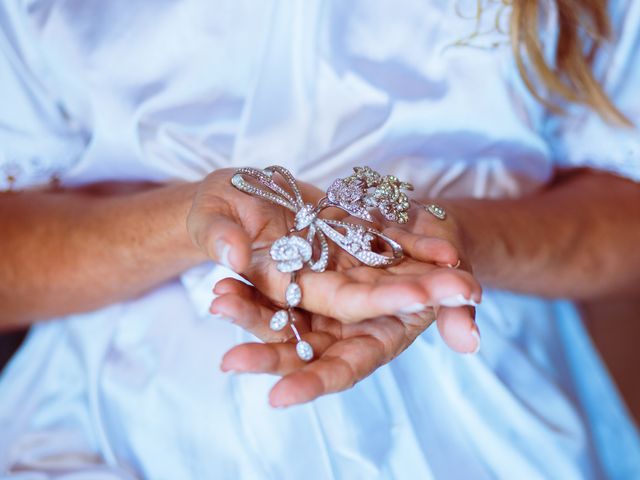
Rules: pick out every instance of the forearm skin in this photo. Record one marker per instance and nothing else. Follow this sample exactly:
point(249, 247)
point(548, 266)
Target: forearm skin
point(68, 252)
point(579, 238)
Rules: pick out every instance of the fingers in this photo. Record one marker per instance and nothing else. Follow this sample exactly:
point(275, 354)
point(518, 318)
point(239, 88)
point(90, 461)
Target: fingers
point(227, 243)
point(455, 318)
point(350, 298)
point(233, 285)
point(336, 295)
point(248, 309)
point(458, 329)
point(273, 358)
point(252, 317)
point(423, 248)
point(340, 368)
point(420, 320)
point(215, 232)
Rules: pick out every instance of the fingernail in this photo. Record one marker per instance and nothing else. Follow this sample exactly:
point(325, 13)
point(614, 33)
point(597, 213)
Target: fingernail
point(475, 334)
point(413, 308)
point(229, 369)
point(457, 301)
point(454, 266)
point(214, 309)
point(222, 251)
point(223, 317)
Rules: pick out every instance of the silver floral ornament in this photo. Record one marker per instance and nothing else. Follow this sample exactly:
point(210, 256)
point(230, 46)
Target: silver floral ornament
point(349, 194)
point(358, 239)
point(290, 253)
point(365, 189)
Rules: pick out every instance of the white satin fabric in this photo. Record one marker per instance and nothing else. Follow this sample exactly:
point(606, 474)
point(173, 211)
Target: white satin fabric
point(168, 90)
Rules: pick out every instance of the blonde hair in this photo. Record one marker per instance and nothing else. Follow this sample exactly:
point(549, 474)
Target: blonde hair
point(583, 27)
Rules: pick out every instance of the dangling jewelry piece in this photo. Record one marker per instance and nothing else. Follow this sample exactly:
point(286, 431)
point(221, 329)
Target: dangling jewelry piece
point(436, 210)
point(364, 190)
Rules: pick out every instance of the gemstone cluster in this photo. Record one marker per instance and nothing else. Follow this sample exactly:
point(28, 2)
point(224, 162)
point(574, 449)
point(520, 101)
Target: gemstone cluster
point(357, 194)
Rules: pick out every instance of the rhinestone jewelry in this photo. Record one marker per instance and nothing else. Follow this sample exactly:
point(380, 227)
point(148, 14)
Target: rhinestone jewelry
point(293, 295)
point(364, 190)
point(304, 350)
point(279, 320)
point(436, 211)
point(291, 253)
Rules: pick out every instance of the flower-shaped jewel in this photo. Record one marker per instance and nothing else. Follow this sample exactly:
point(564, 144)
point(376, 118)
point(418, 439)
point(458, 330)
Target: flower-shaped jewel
point(366, 189)
point(390, 200)
point(358, 239)
point(290, 253)
point(348, 194)
point(368, 174)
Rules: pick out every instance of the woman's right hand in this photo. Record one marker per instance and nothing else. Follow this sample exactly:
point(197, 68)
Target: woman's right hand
point(237, 230)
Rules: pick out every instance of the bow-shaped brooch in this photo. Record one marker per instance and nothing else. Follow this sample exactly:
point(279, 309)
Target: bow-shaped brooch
point(365, 189)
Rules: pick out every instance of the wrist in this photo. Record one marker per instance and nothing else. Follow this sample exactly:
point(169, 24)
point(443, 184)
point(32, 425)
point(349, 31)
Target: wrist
point(452, 228)
point(480, 239)
point(163, 222)
point(184, 195)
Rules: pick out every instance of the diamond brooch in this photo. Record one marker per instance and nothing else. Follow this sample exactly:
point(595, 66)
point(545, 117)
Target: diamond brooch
point(357, 194)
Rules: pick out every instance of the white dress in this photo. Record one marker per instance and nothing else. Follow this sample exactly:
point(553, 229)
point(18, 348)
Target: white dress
point(167, 90)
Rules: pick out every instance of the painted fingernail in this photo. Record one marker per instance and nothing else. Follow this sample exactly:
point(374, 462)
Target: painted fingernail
point(457, 301)
point(234, 369)
point(475, 334)
point(214, 309)
point(222, 251)
point(413, 308)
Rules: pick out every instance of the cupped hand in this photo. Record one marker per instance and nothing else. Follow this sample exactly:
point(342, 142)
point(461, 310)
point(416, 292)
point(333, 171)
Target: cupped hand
point(237, 229)
point(344, 353)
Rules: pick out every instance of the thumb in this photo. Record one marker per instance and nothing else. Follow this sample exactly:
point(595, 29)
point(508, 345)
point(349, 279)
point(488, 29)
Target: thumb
point(458, 328)
point(220, 237)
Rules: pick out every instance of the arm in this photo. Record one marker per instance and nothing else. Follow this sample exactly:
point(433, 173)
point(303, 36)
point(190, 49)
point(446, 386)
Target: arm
point(67, 252)
point(578, 239)
point(62, 253)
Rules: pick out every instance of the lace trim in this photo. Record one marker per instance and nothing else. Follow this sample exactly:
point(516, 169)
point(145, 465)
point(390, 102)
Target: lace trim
point(486, 34)
point(35, 172)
